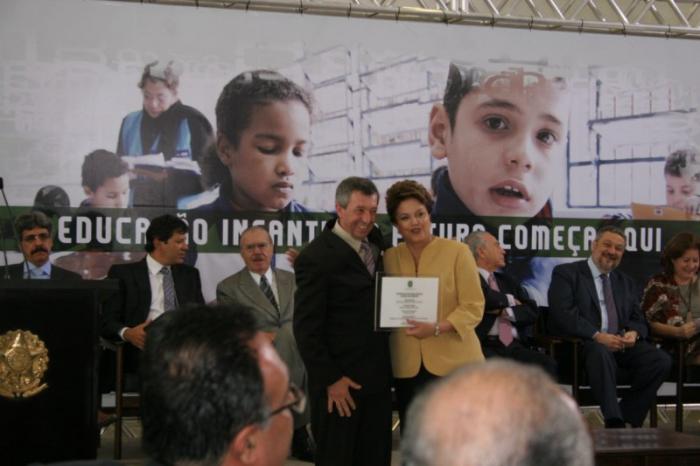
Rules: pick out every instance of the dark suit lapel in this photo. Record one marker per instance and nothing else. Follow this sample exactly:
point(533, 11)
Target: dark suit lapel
point(255, 294)
point(617, 295)
point(589, 284)
point(143, 284)
point(347, 254)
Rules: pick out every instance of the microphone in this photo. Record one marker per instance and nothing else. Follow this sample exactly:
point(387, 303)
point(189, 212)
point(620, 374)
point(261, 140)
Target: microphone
point(11, 218)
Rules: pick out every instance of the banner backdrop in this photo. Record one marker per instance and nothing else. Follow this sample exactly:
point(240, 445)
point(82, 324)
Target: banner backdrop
point(537, 137)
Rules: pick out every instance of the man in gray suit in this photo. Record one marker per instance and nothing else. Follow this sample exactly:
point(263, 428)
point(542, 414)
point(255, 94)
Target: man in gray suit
point(269, 292)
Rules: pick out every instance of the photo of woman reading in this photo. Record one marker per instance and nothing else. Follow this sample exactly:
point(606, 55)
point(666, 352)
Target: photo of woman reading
point(164, 126)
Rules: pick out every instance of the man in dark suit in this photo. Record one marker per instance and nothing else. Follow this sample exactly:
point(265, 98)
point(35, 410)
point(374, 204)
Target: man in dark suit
point(158, 283)
point(34, 231)
point(509, 313)
point(593, 301)
point(269, 293)
point(346, 360)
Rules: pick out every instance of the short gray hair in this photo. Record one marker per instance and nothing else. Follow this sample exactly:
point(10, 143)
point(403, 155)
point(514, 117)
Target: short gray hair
point(499, 413)
point(354, 183)
point(256, 228)
point(475, 240)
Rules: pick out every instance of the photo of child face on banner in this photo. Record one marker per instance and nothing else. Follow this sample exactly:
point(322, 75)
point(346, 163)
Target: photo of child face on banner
point(263, 136)
point(502, 135)
point(681, 172)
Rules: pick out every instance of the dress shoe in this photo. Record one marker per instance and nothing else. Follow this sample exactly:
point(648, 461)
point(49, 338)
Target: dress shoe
point(303, 445)
point(614, 423)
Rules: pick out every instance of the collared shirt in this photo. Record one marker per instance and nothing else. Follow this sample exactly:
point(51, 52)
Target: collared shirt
point(155, 279)
point(270, 277)
point(32, 272)
point(509, 311)
point(347, 237)
point(597, 279)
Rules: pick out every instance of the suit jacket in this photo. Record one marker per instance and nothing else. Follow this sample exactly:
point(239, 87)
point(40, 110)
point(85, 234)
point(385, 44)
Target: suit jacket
point(334, 315)
point(130, 306)
point(525, 313)
point(57, 273)
point(575, 308)
point(241, 289)
point(460, 301)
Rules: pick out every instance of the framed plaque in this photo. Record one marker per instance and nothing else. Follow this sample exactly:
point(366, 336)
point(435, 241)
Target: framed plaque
point(398, 299)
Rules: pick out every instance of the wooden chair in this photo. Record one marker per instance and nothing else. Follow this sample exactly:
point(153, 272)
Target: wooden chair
point(124, 403)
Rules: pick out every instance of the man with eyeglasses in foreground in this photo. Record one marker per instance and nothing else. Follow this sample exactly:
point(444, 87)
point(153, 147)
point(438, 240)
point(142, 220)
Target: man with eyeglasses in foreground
point(34, 233)
point(215, 391)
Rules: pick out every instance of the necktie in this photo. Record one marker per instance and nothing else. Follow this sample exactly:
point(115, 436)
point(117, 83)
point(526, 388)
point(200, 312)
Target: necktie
point(267, 291)
point(169, 296)
point(505, 328)
point(367, 256)
point(609, 303)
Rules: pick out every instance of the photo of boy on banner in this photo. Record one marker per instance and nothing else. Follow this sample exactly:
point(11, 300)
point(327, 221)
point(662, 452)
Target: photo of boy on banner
point(105, 180)
point(501, 134)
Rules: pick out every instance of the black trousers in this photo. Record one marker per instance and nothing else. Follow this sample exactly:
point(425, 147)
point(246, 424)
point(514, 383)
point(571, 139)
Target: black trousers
point(407, 389)
point(492, 347)
point(363, 439)
point(648, 367)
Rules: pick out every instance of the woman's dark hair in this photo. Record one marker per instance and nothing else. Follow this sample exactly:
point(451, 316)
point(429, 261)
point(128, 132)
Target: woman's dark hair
point(406, 189)
point(675, 248)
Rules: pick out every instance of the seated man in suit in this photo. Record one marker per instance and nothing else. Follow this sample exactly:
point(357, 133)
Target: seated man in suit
point(509, 313)
point(498, 413)
point(158, 283)
point(215, 392)
point(591, 300)
point(269, 292)
point(34, 231)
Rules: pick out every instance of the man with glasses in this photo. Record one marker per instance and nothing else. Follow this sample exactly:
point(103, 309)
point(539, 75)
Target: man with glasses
point(269, 292)
point(34, 232)
point(215, 391)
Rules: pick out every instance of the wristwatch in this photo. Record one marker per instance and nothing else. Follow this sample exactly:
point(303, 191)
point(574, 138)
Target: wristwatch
point(437, 329)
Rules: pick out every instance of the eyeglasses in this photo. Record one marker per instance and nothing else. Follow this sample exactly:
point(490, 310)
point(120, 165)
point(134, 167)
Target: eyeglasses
point(32, 238)
point(297, 404)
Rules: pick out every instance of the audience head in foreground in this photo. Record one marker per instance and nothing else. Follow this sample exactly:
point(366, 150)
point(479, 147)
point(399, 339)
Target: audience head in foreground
point(498, 413)
point(214, 391)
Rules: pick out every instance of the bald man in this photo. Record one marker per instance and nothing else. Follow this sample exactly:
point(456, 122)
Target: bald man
point(499, 413)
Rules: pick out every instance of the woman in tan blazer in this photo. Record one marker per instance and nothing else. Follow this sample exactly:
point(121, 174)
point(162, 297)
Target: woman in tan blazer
point(426, 350)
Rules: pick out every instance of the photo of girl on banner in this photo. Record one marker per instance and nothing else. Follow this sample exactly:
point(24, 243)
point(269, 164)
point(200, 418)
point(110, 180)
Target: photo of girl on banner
point(263, 135)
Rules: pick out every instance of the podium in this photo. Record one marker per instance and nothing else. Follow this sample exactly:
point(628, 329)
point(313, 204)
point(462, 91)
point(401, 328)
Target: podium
point(49, 347)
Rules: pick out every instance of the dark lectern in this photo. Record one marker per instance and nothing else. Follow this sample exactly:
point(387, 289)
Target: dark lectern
point(49, 350)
